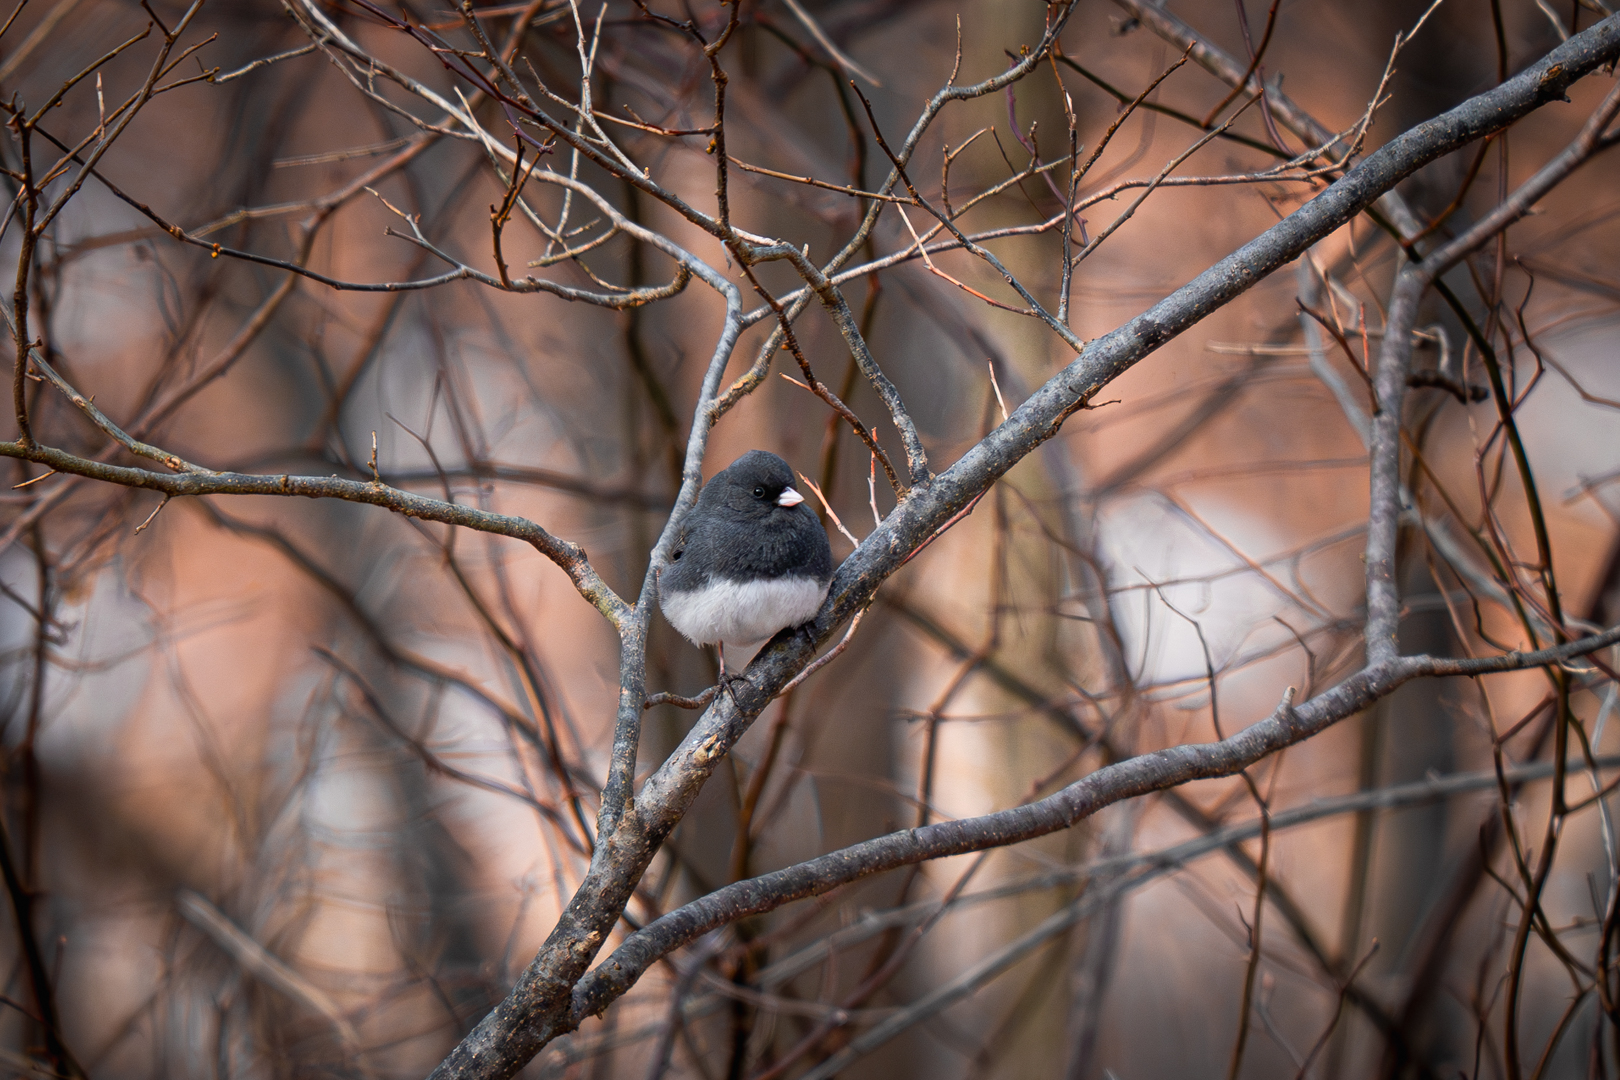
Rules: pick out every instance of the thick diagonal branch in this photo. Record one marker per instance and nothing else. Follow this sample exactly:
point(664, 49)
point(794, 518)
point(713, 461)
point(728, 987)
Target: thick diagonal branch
point(541, 1005)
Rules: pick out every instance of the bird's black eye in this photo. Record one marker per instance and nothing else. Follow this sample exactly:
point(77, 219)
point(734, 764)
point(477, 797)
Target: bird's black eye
point(759, 493)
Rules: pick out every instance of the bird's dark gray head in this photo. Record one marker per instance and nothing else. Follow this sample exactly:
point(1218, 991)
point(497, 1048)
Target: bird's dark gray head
point(755, 485)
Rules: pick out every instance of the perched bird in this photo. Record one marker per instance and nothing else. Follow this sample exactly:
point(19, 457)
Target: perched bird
point(749, 560)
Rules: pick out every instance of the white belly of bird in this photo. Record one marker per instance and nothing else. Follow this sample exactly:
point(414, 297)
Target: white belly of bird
point(743, 613)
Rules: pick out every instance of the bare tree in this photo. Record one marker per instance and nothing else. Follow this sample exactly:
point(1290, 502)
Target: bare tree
point(299, 787)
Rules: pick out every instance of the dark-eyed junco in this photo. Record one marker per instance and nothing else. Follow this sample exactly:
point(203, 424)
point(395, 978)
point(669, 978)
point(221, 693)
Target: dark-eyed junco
point(749, 560)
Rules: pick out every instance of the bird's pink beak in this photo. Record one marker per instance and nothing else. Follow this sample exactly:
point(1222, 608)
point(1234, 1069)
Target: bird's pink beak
point(789, 497)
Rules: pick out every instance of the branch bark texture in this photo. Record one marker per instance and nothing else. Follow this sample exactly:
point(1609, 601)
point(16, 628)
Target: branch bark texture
point(551, 998)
